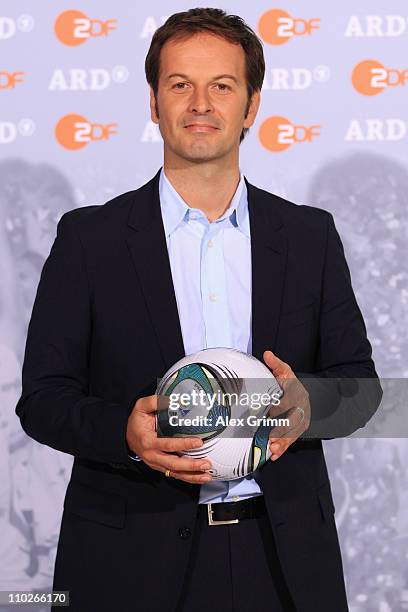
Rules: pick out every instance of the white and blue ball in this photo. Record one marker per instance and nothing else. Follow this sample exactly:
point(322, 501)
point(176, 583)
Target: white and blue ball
point(230, 375)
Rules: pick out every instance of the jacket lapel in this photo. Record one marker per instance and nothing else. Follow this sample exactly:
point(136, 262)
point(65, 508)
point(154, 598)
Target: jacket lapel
point(269, 255)
point(147, 243)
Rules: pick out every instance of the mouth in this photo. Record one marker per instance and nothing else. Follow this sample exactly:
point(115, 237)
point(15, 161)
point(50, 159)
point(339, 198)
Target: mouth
point(200, 127)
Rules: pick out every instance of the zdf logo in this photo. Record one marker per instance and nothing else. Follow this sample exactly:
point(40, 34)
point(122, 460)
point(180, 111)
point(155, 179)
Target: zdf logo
point(278, 133)
point(74, 132)
point(73, 27)
point(277, 26)
point(371, 77)
point(8, 80)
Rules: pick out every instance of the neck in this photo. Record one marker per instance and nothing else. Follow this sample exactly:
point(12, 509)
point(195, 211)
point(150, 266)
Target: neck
point(206, 186)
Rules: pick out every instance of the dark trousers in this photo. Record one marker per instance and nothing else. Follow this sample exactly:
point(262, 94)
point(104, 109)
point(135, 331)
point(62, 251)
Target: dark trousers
point(234, 568)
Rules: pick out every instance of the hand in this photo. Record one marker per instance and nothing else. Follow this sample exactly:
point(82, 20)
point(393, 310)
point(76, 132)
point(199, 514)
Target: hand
point(294, 396)
point(159, 453)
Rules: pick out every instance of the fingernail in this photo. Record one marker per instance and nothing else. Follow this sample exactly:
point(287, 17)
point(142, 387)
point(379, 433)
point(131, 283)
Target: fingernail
point(205, 466)
point(206, 478)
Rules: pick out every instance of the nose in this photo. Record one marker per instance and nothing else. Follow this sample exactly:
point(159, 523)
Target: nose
point(200, 101)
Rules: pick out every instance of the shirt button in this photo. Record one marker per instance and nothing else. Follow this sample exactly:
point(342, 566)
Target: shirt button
point(213, 297)
point(210, 244)
point(235, 498)
point(184, 533)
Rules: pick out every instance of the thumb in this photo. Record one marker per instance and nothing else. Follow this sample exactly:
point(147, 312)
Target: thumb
point(278, 367)
point(270, 359)
point(148, 404)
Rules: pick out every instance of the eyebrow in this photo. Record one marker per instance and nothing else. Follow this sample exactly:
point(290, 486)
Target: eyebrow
point(220, 76)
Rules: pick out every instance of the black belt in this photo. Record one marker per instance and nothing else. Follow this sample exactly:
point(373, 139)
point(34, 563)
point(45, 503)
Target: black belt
point(232, 512)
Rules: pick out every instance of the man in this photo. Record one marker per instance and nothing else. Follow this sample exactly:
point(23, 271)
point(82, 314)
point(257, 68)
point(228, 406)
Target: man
point(196, 257)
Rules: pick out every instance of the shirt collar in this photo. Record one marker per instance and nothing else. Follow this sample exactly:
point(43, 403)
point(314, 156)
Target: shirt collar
point(175, 210)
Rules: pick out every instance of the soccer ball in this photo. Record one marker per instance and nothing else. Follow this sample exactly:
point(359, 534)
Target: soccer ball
point(221, 395)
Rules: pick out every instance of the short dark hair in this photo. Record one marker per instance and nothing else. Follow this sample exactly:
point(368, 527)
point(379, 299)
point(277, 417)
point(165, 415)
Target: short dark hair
point(215, 21)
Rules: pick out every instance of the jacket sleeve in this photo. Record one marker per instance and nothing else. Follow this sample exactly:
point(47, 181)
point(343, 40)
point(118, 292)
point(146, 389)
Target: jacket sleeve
point(344, 391)
point(55, 407)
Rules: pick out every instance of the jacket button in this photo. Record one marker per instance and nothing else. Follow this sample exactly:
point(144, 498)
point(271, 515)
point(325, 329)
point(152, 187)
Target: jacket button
point(184, 533)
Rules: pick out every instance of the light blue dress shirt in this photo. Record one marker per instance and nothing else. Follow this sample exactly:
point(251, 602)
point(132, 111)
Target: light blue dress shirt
point(211, 272)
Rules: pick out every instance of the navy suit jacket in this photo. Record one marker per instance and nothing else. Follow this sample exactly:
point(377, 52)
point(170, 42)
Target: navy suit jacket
point(105, 326)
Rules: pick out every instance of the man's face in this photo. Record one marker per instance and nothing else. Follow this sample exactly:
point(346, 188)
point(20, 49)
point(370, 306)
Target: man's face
point(202, 81)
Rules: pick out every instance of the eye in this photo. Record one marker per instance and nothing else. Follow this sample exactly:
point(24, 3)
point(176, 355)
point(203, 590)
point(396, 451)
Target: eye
point(176, 85)
point(223, 86)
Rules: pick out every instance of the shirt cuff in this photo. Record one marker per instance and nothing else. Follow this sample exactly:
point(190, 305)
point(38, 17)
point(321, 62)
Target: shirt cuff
point(134, 457)
point(131, 454)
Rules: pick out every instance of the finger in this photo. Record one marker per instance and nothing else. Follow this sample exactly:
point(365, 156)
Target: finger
point(295, 424)
point(278, 434)
point(286, 403)
point(280, 439)
point(285, 379)
point(276, 452)
point(191, 477)
point(278, 367)
point(147, 404)
point(172, 445)
point(299, 428)
point(300, 420)
point(293, 394)
point(283, 403)
point(180, 464)
point(277, 449)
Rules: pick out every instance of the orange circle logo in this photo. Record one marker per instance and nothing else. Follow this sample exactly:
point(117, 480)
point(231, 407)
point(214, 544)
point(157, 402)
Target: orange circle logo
point(270, 26)
point(278, 133)
point(73, 27)
point(73, 131)
point(276, 26)
point(66, 132)
point(65, 27)
point(270, 133)
point(362, 77)
point(370, 77)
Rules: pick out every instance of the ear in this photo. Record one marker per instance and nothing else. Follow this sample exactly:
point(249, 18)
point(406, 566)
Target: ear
point(153, 114)
point(253, 109)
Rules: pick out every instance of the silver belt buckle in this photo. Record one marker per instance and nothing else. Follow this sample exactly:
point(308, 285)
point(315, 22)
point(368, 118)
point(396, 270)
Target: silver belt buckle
point(212, 522)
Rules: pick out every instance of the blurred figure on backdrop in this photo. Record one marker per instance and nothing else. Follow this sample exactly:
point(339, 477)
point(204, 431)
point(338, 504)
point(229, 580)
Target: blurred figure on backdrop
point(32, 199)
point(368, 192)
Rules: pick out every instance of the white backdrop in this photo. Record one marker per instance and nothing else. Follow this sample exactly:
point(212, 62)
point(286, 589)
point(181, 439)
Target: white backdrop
point(331, 132)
